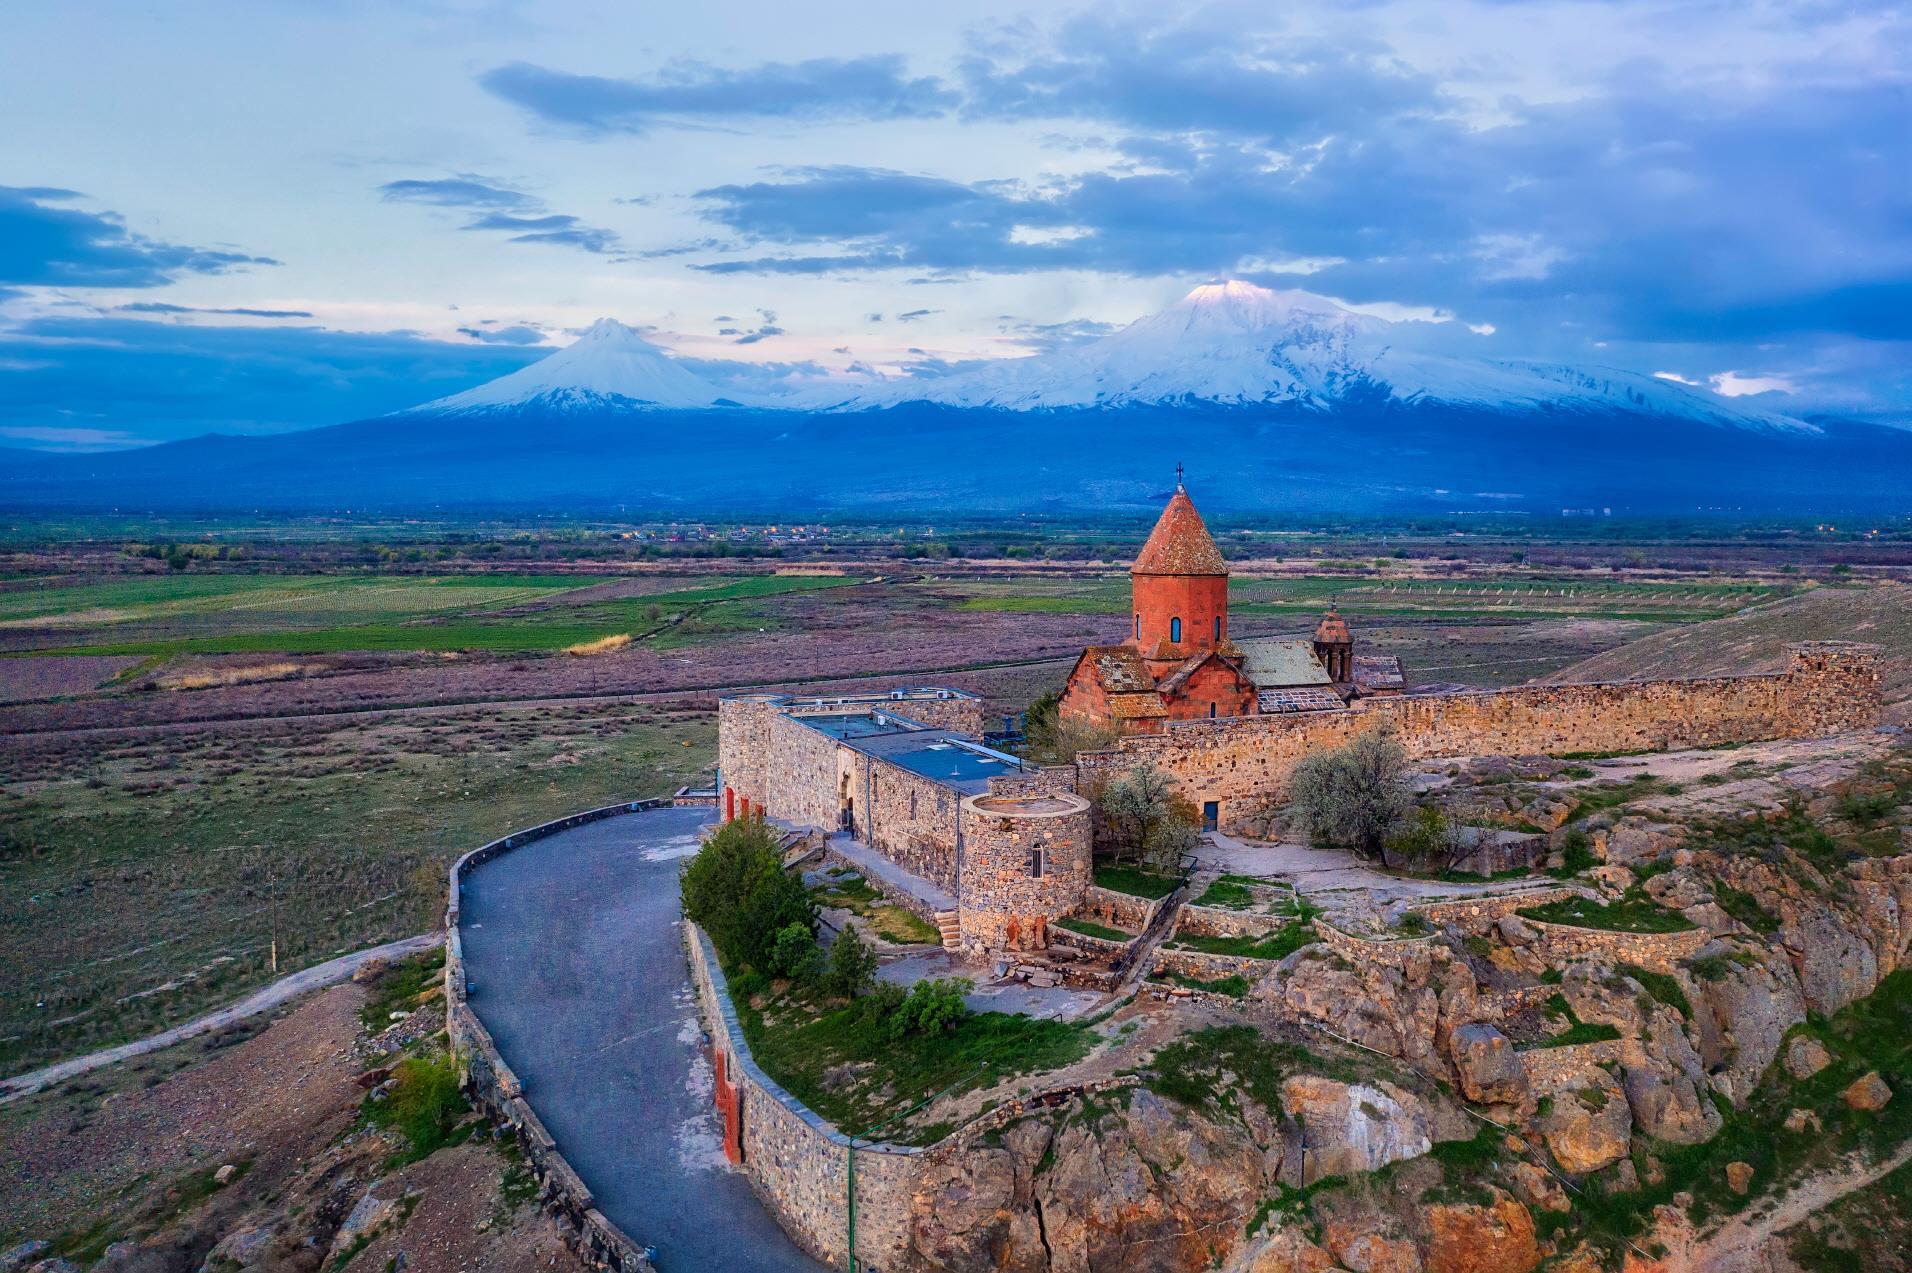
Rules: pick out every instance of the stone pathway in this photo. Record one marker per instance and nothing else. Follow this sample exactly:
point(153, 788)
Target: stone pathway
point(889, 875)
point(1315, 871)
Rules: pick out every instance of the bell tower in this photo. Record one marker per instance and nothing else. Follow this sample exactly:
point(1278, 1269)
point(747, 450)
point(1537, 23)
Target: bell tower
point(1179, 586)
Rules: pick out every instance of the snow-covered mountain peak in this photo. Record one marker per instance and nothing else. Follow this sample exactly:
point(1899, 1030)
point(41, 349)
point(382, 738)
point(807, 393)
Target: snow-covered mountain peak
point(1239, 306)
point(609, 365)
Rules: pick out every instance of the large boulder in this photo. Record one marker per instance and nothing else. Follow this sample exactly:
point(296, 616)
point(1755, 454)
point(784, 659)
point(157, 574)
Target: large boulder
point(1349, 1128)
point(1806, 1056)
point(1836, 965)
point(1599, 995)
point(1402, 1012)
point(1667, 1086)
point(1470, 1238)
point(1588, 1124)
point(1490, 1069)
point(1868, 1092)
point(1154, 1188)
point(1632, 841)
point(1745, 998)
point(1368, 1246)
point(974, 1211)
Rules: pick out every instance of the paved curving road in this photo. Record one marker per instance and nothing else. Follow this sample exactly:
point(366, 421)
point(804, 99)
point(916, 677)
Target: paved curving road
point(574, 945)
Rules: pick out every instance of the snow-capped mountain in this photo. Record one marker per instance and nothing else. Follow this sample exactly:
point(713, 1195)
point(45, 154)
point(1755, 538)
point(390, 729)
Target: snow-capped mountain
point(1229, 344)
point(608, 368)
point(1233, 343)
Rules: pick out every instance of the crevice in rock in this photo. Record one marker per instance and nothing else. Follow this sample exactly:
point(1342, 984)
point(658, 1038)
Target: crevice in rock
point(1042, 1232)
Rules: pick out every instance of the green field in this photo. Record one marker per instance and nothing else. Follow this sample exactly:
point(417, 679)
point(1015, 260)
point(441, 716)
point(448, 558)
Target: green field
point(144, 882)
point(1511, 598)
point(318, 614)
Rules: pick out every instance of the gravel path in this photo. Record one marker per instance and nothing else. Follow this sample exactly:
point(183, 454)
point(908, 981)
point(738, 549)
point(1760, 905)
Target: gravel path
point(1735, 1247)
point(261, 1000)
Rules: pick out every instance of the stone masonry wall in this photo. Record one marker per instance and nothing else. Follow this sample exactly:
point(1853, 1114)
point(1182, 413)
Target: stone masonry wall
point(908, 818)
point(795, 1161)
point(1118, 910)
point(1215, 921)
point(1004, 906)
point(1828, 688)
point(1657, 952)
point(1473, 916)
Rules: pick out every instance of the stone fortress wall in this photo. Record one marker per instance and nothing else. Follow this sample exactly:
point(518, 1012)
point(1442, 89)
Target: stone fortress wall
point(1241, 762)
point(1005, 904)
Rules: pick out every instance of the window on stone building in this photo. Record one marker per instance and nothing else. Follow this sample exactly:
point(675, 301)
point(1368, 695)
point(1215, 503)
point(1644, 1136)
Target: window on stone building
point(1138, 627)
point(1174, 629)
point(912, 804)
point(1038, 859)
point(1218, 627)
point(1211, 711)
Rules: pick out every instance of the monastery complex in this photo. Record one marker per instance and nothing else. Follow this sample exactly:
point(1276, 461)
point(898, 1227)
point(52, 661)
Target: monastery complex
point(994, 850)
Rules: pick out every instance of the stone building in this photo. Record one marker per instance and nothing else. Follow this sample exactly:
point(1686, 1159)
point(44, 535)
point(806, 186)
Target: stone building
point(1179, 662)
point(988, 848)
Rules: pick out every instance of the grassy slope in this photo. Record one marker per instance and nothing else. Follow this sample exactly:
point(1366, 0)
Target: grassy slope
point(1755, 641)
point(141, 883)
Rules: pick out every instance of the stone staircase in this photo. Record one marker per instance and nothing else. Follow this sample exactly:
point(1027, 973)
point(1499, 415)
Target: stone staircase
point(947, 925)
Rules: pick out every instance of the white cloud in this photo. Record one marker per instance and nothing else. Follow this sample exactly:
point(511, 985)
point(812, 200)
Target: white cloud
point(1676, 378)
point(1731, 384)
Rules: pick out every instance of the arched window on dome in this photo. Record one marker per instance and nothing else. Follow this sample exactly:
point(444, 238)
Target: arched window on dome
point(1175, 631)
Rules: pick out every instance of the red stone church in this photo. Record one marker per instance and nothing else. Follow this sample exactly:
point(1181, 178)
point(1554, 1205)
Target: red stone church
point(1179, 662)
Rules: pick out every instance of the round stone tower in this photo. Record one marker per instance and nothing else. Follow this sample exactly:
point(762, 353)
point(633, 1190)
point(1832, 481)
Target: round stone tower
point(1180, 587)
point(1025, 863)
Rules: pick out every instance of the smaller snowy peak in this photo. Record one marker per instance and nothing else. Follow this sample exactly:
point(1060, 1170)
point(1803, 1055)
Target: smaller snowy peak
point(609, 366)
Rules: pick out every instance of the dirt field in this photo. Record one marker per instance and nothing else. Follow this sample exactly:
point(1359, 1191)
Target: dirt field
point(128, 1156)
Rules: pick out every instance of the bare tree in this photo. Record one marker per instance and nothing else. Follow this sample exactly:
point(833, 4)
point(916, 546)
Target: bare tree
point(1353, 796)
point(1145, 814)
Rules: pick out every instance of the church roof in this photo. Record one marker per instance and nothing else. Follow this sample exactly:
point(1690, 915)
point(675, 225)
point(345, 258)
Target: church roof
point(1272, 662)
point(1379, 673)
point(1119, 669)
point(1333, 629)
point(1125, 682)
point(1173, 683)
point(1180, 543)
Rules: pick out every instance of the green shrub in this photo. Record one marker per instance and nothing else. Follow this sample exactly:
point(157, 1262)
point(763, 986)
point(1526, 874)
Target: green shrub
point(1662, 987)
point(934, 1005)
point(737, 890)
point(852, 968)
point(424, 1105)
point(795, 953)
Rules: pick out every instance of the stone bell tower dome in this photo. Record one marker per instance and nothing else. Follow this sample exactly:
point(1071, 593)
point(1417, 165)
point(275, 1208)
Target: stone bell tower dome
point(1180, 587)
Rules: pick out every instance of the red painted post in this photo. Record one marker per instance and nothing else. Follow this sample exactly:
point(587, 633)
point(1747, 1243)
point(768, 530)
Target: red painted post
point(730, 803)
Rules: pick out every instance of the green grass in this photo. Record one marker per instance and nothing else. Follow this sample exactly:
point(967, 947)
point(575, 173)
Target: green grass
point(398, 989)
point(1234, 985)
point(1634, 912)
point(891, 922)
point(1089, 928)
point(424, 1108)
point(453, 614)
point(1662, 987)
point(1232, 892)
point(1136, 882)
point(1280, 944)
point(805, 1046)
point(1366, 594)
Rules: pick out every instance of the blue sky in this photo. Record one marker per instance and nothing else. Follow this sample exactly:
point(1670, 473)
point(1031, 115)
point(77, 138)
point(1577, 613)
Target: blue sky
point(258, 216)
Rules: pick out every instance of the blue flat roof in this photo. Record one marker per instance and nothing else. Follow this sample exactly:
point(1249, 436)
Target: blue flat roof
point(858, 724)
point(946, 762)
